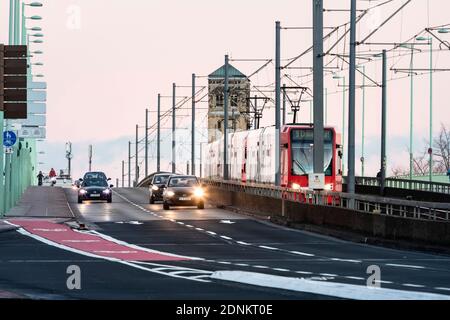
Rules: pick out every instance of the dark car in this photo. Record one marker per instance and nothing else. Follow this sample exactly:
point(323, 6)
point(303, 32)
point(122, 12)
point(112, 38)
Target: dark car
point(95, 189)
point(95, 175)
point(157, 186)
point(183, 191)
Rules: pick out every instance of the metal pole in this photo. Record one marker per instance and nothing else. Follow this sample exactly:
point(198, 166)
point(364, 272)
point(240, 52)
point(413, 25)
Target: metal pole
point(129, 164)
point(383, 125)
point(136, 160)
point(363, 120)
point(411, 116)
point(277, 100)
point(193, 126)
point(318, 86)
point(431, 110)
point(123, 173)
point(326, 105)
point(90, 157)
point(23, 38)
point(146, 142)
point(16, 22)
point(173, 127)
point(158, 138)
point(352, 101)
point(11, 22)
point(343, 125)
point(2, 190)
point(284, 105)
point(225, 122)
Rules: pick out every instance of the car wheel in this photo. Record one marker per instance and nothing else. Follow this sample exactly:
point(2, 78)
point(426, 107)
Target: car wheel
point(109, 200)
point(80, 200)
point(166, 206)
point(152, 200)
point(201, 206)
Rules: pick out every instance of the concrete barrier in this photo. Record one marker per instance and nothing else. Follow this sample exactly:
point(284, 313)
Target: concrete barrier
point(396, 229)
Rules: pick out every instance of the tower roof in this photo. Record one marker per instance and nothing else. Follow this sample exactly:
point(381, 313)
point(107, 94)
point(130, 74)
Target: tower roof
point(232, 73)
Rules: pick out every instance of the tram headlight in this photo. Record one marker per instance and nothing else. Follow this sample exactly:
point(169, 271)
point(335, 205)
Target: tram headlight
point(296, 186)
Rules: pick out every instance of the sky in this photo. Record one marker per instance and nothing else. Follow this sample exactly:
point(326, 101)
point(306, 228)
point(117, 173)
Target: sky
point(105, 61)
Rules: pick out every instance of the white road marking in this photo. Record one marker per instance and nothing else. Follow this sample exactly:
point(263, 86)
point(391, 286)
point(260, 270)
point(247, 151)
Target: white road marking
point(269, 248)
point(303, 272)
point(226, 238)
point(333, 289)
point(212, 233)
point(442, 288)
point(281, 269)
point(244, 243)
point(413, 285)
point(199, 229)
point(261, 267)
point(328, 274)
point(302, 253)
point(404, 266)
point(354, 278)
point(346, 260)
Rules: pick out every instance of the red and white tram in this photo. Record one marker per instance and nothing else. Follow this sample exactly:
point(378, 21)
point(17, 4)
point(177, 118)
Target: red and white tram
point(251, 157)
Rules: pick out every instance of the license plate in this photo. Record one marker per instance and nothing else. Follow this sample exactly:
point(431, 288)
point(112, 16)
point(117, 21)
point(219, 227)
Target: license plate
point(185, 199)
point(95, 195)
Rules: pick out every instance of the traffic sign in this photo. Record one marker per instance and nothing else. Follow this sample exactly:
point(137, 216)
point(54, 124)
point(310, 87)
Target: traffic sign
point(9, 138)
point(9, 150)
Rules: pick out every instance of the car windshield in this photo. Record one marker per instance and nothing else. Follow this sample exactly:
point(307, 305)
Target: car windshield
point(95, 183)
point(160, 179)
point(302, 152)
point(183, 182)
point(94, 175)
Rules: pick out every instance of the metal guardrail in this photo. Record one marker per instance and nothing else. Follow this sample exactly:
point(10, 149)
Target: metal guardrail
point(436, 187)
point(360, 203)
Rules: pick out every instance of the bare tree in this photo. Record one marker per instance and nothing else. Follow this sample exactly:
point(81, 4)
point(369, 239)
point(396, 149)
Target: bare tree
point(442, 150)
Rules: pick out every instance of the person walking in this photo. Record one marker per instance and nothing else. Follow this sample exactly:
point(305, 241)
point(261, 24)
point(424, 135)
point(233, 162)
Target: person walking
point(40, 177)
point(52, 173)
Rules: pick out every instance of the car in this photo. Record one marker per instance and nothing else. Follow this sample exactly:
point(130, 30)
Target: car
point(157, 186)
point(95, 175)
point(183, 191)
point(95, 189)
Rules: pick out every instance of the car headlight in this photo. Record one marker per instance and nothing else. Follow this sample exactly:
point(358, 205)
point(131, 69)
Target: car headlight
point(170, 193)
point(106, 191)
point(199, 193)
point(82, 191)
point(155, 188)
point(296, 186)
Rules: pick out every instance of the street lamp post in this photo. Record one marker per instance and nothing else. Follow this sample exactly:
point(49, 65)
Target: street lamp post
point(363, 120)
point(430, 148)
point(343, 120)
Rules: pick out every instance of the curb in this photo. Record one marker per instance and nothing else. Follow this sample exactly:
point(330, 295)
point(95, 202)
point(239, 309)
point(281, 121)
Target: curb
point(344, 234)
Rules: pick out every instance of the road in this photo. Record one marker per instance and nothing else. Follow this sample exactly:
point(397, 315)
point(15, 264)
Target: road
point(186, 253)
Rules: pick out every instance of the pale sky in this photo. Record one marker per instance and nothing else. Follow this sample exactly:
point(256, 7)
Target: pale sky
point(106, 61)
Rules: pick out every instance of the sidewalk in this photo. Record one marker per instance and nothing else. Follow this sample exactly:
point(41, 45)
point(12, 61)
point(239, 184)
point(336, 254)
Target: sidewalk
point(50, 202)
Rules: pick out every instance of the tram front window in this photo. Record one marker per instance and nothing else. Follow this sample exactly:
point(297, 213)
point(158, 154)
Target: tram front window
point(303, 152)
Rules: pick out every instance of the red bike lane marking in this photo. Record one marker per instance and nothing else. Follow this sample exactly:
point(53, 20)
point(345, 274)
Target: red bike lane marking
point(88, 243)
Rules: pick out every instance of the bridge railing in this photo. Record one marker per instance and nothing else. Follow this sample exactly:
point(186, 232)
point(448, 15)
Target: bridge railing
point(360, 203)
point(436, 187)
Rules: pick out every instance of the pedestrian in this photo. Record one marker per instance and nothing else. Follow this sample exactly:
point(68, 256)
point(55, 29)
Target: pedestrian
point(52, 173)
point(379, 177)
point(40, 177)
point(448, 173)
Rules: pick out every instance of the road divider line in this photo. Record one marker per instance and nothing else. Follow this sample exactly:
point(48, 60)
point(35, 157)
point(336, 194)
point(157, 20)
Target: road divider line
point(404, 266)
point(326, 288)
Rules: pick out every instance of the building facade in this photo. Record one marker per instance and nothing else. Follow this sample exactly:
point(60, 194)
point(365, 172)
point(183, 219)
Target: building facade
point(238, 103)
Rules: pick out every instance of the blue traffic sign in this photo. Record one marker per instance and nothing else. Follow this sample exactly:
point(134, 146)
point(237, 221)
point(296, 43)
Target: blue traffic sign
point(9, 138)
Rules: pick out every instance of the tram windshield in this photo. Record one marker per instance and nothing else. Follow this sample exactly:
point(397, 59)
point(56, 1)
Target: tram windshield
point(303, 150)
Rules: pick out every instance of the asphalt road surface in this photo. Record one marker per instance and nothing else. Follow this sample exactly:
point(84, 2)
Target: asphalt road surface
point(186, 253)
